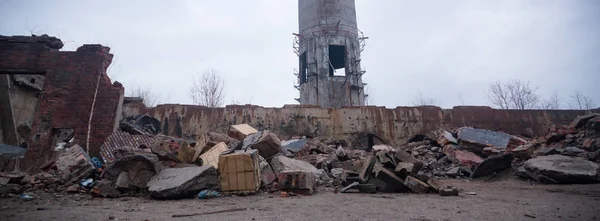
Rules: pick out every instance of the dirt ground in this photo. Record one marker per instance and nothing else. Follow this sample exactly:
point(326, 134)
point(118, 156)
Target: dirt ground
point(501, 200)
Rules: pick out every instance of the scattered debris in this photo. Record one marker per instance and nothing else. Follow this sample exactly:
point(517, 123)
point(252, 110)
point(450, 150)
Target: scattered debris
point(175, 183)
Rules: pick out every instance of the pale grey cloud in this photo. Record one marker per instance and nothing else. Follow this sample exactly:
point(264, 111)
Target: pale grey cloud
point(442, 48)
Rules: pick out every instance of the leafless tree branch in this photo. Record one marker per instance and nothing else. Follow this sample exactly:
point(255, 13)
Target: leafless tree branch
point(207, 89)
point(149, 98)
point(421, 100)
point(581, 101)
point(553, 102)
point(514, 94)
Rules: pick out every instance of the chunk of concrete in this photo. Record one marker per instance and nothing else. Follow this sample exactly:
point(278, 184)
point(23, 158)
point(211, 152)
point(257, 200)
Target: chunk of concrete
point(449, 191)
point(392, 182)
point(403, 156)
point(106, 188)
point(185, 182)
point(267, 176)
point(582, 120)
point(434, 184)
point(265, 142)
point(366, 188)
point(492, 165)
point(416, 185)
point(562, 169)
point(139, 169)
point(366, 169)
point(282, 163)
point(404, 169)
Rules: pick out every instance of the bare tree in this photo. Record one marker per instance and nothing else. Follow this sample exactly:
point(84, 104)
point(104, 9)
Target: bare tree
point(149, 98)
point(553, 102)
point(581, 101)
point(499, 95)
point(421, 100)
point(514, 94)
point(207, 89)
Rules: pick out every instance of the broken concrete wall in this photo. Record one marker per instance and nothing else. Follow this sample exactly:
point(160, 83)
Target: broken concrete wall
point(393, 125)
point(67, 91)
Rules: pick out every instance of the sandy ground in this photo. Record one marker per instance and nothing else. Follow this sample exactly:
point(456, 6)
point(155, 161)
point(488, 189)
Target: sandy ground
point(501, 200)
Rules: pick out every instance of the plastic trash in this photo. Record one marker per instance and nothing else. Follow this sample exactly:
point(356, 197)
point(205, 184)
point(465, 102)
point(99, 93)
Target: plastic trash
point(86, 183)
point(207, 194)
point(97, 162)
point(26, 197)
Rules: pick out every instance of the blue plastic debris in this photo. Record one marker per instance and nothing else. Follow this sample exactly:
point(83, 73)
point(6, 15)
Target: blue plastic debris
point(97, 162)
point(207, 194)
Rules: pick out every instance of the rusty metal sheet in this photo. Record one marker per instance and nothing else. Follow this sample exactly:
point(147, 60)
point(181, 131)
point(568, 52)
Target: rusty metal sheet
point(484, 137)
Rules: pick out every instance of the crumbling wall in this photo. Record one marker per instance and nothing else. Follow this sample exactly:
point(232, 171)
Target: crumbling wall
point(394, 125)
point(67, 91)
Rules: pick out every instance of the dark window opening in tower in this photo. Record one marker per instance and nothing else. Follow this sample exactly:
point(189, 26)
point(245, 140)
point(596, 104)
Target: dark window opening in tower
point(303, 68)
point(337, 60)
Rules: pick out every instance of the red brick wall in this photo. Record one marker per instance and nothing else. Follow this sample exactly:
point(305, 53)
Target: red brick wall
point(67, 94)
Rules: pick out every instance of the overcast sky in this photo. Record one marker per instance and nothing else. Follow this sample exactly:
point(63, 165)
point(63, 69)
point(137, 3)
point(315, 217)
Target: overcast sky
point(449, 50)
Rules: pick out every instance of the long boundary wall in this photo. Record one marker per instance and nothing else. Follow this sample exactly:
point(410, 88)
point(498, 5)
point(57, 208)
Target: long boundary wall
point(395, 125)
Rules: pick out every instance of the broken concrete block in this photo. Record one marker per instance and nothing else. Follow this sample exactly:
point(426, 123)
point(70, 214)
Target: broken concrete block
point(467, 158)
point(523, 152)
point(385, 159)
point(382, 147)
point(453, 172)
point(366, 169)
point(173, 183)
point(241, 131)
point(545, 151)
point(73, 189)
point(297, 181)
point(267, 143)
point(483, 137)
point(139, 170)
point(186, 152)
point(492, 165)
point(213, 138)
point(282, 163)
point(404, 169)
point(106, 188)
point(74, 164)
point(122, 181)
point(267, 176)
point(582, 120)
point(434, 184)
point(449, 191)
point(164, 150)
point(416, 185)
point(240, 172)
point(562, 169)
point(317, 160)
point(211, 156)
point(403, 156)
point(446, 138)
point(392, 182)
point(367, 188)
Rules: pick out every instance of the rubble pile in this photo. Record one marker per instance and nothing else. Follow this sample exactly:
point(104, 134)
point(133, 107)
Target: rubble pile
point(137, 160)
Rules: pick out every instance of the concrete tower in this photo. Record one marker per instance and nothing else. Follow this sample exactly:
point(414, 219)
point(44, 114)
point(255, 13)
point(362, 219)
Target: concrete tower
point(329, 46)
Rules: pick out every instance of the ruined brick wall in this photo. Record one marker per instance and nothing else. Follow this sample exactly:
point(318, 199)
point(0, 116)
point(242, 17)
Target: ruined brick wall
point(394, 125)
point(66, 98)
